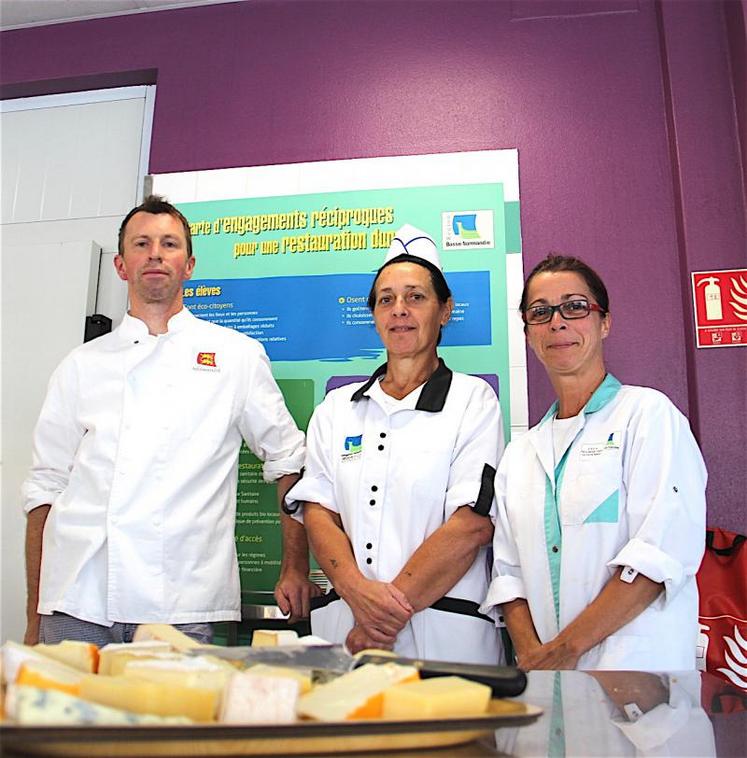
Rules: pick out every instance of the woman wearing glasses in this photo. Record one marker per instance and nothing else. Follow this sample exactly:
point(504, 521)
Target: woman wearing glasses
point(600, 507)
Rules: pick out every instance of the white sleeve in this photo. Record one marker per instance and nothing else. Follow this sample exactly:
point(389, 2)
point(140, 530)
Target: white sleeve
point(265, 423)
point(507, 581)
point(479, 443)
point(665, 478)
point(317, 483)
point(56, 439)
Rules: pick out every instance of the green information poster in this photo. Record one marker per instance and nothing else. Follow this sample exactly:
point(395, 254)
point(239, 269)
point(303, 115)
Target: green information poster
point(294, 272)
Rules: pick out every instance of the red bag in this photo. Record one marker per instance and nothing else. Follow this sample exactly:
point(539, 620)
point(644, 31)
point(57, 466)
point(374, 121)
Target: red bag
point(722, 584)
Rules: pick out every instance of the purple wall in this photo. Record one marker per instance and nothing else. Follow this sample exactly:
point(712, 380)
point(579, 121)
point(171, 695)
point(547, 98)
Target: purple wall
point(624, 113)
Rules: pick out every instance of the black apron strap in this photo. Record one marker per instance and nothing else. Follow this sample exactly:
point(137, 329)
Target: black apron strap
point(447, 604)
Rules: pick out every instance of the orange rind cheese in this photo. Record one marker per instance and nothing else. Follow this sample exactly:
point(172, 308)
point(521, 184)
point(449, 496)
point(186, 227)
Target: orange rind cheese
point(356, 695)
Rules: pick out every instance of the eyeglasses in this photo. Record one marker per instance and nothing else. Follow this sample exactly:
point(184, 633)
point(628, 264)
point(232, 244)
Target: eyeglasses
point(569, 310)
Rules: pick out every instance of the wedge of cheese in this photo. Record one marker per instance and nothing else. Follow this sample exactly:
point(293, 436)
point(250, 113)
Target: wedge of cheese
point(357, 695)
point(273, 637)
point(50, 675)
point(114, 656)
point(83, 656)
point(251, 698)
point(32, 706)
point(165, 633)
point(201, 673)
point(302, 676)
point(436, 698)
point(142, 696)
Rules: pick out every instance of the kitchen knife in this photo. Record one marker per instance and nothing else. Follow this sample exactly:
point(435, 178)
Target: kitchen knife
point(504, 681)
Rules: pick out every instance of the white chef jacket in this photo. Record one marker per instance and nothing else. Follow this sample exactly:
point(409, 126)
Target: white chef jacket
point(395, 471)
point(628, 492)
point(136, 450)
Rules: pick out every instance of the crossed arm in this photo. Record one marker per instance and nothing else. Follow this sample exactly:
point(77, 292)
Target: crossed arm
point(381, 609)
point(616, 605)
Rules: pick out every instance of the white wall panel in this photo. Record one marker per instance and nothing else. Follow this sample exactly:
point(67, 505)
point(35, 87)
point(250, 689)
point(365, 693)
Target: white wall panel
point(78, 161)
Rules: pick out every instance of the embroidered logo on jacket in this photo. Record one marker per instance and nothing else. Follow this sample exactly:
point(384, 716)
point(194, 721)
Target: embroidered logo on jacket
point(205, 362)
point(206, 359)
point(353, 447)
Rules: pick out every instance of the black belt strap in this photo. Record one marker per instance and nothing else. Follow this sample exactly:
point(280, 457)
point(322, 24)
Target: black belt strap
point(448, 604)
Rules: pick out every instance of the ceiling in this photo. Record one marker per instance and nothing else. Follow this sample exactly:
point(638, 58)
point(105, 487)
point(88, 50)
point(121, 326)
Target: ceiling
point(17, 14)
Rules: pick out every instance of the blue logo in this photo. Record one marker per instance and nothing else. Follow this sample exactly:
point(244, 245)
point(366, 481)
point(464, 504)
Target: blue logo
point(465, 226)
point(354, 444)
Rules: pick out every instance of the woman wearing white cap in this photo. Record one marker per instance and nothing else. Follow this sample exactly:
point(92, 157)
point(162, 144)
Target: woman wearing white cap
point(398, 483)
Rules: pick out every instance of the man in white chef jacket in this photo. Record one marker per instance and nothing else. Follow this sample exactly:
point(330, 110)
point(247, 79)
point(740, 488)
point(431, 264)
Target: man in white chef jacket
point(131, 498)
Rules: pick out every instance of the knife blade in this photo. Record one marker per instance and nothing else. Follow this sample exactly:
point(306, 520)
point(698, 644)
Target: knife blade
point(504, 681)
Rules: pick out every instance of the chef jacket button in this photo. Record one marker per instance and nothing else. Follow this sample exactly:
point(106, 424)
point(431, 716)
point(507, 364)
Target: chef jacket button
point(675, 489)
point(368, 546)
point(374, 488)
point(555, 548)
point(382, 435)
point(369, 560)
point(372, 502)
point(136, 342)
point(381, 447)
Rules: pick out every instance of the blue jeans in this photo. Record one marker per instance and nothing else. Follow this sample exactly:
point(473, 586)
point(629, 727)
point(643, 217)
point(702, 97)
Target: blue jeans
point(60, 626)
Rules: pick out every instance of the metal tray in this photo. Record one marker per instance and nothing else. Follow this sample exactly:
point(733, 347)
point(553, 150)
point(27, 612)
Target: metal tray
point(303, 738)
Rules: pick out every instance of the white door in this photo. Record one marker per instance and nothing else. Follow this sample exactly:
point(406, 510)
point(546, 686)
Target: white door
point(72, 166)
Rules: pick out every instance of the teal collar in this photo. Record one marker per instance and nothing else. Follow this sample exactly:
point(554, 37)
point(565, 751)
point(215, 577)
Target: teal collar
point(603, 394)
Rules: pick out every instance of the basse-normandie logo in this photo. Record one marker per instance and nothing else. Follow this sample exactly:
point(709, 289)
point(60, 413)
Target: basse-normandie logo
point(467, 229)
point(353, 447)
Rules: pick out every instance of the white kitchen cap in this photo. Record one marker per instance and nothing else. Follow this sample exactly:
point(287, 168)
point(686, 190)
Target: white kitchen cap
point(415, 242)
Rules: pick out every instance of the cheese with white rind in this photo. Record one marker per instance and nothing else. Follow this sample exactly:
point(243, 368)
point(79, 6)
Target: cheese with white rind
point(109, 652)
point(302, 676)
point(274, 637)
point(255, 699)
point(32, 706)
point(14, 654)
point(357, 694)
point(436, 698)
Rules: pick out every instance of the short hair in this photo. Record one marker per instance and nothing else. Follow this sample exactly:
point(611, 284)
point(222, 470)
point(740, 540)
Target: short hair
point(438, 280)
point(556, 262)
point(156, 205)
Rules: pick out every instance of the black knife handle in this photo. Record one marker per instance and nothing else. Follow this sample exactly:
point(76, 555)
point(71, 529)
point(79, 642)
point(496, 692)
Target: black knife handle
point(504, 681)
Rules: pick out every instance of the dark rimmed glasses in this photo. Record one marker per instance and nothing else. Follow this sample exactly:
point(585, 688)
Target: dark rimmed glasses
point(569, 310)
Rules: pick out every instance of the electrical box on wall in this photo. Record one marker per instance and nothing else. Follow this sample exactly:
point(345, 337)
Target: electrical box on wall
point(96, 325)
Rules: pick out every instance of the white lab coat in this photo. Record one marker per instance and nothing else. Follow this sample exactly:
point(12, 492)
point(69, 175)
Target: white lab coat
point(395, 472)
point(632, 495)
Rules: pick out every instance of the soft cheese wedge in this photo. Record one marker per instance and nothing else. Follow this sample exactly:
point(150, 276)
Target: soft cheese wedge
point(274, 637)
point(251, 698)
point(32, 706)
point(50, 675)
point(13, 655)
point(114, 656)
point(356, 695)
point(302, 676)
point(142, 696)
point(83, 656)
point(436, 698)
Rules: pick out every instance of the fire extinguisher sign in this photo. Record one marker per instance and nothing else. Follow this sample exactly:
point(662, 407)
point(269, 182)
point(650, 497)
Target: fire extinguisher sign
point(720, 305)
